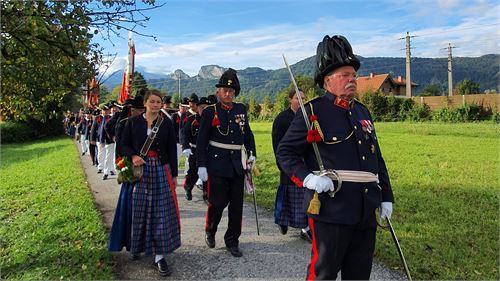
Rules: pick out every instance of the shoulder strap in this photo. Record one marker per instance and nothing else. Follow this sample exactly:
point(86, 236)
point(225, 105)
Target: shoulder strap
point(151, 137)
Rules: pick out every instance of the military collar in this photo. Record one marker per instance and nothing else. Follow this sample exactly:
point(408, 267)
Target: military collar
point(340, 102)
point(225, 107)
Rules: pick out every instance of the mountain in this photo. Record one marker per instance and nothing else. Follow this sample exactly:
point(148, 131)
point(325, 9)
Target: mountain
point(258, 82)
point(116, 77)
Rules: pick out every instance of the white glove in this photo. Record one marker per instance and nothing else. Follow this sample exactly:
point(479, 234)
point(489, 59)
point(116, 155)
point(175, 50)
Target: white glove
point(318, 183)
point(187, 152)
point(250, 162)
point(386, 210)
point(202, 173)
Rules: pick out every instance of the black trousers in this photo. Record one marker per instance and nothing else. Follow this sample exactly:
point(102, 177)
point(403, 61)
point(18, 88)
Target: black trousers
point(221, 192)
point(340, 247)
point(93, 153)
point(192, 173)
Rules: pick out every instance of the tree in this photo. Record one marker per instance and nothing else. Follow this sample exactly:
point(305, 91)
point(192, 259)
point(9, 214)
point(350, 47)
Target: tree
point(431, 90)
point(467, 87)
point(138, 82)
point(47, 54)
point(253, 107)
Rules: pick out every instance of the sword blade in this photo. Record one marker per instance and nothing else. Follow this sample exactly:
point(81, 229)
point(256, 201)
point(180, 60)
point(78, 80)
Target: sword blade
point(400, 251)
point(306, 119)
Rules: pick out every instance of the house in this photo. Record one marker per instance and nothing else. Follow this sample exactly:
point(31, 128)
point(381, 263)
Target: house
point(383, 83)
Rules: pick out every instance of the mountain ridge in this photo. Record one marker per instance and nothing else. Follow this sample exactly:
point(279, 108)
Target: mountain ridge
point(258, 82)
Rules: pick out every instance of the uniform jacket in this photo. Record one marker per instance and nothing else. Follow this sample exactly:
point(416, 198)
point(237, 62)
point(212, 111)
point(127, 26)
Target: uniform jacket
point(190, 131)
point(349, 143)
point(135, 133)
point(233, 129)
point(118, 136)
point(110, 125)
point(280, 126)
point(102, 135)
point(94, 129)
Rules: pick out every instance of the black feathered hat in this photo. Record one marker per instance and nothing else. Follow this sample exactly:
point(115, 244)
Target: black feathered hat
point(331, 54)
point(193, 98)
point(212, 99)
point(167, 99)
point(137, 102)
point(203, 100)
point(185, 101)
point(229, 80)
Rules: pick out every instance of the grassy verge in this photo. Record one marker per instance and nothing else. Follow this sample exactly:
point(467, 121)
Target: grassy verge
point(50, 228)
point(445, 179)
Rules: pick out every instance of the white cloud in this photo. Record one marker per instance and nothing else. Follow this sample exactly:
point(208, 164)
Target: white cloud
point(475, 34)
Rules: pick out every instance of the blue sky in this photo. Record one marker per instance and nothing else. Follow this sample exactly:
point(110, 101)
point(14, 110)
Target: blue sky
point(240, 34)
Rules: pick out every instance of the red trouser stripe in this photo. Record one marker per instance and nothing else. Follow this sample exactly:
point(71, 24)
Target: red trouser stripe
point(314, 258)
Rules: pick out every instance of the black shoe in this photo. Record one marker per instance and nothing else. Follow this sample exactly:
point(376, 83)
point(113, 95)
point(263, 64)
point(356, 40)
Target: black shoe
point(205, 198)
point(210, 240)
point(189, 195)
point(235, 251)
point(99, 171)
point(163, 268)
point(283, 228)
point(306, 235)
point(112, 173)
point(83, 153)
point(105, 177)
point(134, 257)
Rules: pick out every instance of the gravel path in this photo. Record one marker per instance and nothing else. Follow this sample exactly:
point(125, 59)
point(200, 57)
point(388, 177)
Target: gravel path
point(269, 256)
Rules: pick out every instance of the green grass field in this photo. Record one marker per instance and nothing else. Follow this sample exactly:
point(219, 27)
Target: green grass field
point(445, 179)
point(50, 227)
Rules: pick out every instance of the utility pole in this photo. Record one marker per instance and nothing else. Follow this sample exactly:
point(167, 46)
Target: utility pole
point(450, 70)
point(408, 62)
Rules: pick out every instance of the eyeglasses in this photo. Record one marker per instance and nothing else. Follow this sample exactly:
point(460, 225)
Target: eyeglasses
point(346, 75)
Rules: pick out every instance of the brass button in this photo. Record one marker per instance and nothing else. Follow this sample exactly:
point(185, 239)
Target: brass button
point(232, 152)
point(359, 142)
point(334, 138)
point(231, 131)
point(350, 113)
point(355, 127)
point(366, 190)
point(363, 158)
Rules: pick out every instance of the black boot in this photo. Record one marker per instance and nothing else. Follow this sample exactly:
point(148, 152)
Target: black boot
point(163, 268)
point(210, 240)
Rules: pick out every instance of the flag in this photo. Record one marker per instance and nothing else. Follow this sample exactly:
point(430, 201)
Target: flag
point(128, 74)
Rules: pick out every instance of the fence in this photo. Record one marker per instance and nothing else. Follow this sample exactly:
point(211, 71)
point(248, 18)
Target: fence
point(491, 101)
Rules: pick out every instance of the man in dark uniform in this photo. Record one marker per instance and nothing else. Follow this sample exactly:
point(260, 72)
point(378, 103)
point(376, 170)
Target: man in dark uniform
point(190, 133)
point(223, 137)
point(344, 230)
point(288, 209)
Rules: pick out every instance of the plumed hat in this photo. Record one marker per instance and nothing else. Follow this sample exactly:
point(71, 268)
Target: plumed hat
point(137, 102)
point(193, 98)
point(331, 54)
point(185, 101)
point(167, 99)
point(229, 80)
point(212, 99)
point(203, 100)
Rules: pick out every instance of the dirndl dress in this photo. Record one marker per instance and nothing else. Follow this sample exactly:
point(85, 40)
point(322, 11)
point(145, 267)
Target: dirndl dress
point(155, 213)
point(121, 229)
point(288, 206)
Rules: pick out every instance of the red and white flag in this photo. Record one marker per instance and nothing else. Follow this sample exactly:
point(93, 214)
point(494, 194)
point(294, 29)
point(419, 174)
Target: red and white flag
point(128, 74)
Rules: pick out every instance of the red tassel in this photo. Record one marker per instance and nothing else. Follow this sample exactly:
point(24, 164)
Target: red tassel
point(317, 138)
point(313, 118)
point(297, 181)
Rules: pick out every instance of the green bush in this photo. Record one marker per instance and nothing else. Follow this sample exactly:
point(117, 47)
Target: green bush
point(464, 113)
point(376, 103)
point(17, 132)
point(419, 113)
point(495, 117)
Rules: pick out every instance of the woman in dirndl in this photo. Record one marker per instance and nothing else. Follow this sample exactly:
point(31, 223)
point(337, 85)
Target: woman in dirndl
point(288, 206)
point(155, 213)
point(121, 230)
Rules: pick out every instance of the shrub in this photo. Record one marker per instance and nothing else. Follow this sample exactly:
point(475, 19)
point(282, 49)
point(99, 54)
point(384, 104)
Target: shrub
point(16, 132)
point(464, 113)
point(418, 113)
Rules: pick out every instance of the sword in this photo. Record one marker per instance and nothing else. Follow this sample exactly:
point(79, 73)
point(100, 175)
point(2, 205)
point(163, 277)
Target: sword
point(332, 174)
point(400, 252)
